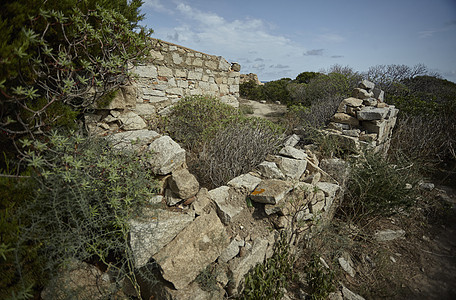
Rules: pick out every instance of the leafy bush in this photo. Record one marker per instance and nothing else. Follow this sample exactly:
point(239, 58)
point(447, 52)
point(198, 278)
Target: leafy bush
point(85, 194)
point(251, 90)
point(378, 188)
point(66, 54)
point(195, 120)
point(319, 279)
point(237, 149)
point(267, 280)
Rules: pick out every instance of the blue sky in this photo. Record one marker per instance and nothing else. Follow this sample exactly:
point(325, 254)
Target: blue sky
point(277, 39)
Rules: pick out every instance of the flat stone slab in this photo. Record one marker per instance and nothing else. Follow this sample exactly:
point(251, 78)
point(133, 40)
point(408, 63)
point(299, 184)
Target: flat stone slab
point(153, 231)
point(345, 119)
point(192, 250)
point(292, 152)
point(292, 168)
point(389, 235)
point(244, 182)
point(270, 170)
point(271, 191)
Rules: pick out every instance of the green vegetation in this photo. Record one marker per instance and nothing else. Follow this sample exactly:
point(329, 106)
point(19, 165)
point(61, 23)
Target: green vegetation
point(267, 280)
point(222, 141)
point(319, 279)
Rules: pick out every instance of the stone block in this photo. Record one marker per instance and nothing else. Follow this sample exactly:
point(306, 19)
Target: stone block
point(192, 250)
point(148, 71)
point(366, 84)
point(292, 152)
point(379, 94)
point(292, 140)
point(345, 119)
point(362, 94)
point(271, 191)
point(132, 140)
point(194, 75)
point(131, 121)
point(370, 113)
point(270, 170)
point(183, 183)
point(223, 64)
point(177, 59)
point(165, 71)
point(292, 168)
point(167, 155)
point(245, 182)
point(153, 230)
point(352, 102)
point(231, 251)
point(225, 210)
point(144, 109)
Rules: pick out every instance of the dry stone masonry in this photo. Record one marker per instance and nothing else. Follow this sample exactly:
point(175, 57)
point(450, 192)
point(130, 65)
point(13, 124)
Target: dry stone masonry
point(171, 73)
point(364, 120)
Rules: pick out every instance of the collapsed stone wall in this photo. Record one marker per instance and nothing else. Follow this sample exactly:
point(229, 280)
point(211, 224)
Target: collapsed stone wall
point(171, 73)
point(364, 120)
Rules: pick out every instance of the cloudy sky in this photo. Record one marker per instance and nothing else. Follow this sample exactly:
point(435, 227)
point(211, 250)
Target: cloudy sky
point(277, 39)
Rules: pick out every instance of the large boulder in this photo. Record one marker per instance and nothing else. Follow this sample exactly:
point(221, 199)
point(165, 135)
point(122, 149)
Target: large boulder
point(153, 230)
point(192, 250)
point(167, 155)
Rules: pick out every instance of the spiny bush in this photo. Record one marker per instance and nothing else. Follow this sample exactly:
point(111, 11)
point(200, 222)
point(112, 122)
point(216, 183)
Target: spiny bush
point(85, 194)
point(378, 188)
point(319, 279)
point(267, 280)
point(237, 149)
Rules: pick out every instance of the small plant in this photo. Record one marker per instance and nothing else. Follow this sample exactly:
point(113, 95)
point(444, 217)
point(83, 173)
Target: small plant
point(267, 280)
point(378, 188)
point(319, 279)
point(207, 279)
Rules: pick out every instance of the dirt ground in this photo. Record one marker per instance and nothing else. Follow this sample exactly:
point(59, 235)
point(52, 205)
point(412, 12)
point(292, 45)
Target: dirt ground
point(271, 111)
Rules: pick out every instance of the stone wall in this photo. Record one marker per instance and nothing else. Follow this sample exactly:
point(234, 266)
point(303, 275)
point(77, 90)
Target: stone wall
point(171, 73)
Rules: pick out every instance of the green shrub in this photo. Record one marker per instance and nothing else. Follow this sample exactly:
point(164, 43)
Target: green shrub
point(251, 90)
point(195, 120)
point(378, 188)
point(267, 280)
point(85, 194)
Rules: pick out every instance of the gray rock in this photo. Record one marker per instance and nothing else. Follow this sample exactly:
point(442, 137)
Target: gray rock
point(183, 183)
point(132, 140)
point(131, 121)
point(292, 140)
point(349, 295)
point(347, 266)
point(292, 168)
point(366, 84)
point(335, 296)
point(271, 191)
point(337, 168)
point(345, 119)
point(351, 132)
point(428, 186)
point(235, 67)
point(292, 152)
point(153, 230)
point(370, 102)
point(225, 210)
point(389, 235)
point(201, 202)
point(338, 126)
point(270, 170)
point(379, 94)
point(167, 155)
point(362, 94)
point(369, 113)
point(231, 251)
point(171, 198)
point(245, 182)
point(192, 250)
point(349, 102)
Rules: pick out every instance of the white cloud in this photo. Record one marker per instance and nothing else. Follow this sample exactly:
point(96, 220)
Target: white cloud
point(157, 6)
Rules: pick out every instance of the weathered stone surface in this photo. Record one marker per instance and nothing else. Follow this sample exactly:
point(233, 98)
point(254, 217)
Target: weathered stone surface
point(167, 155)
point(389, 235)
point(351, 102)
point(370, 102)
point(144, 109)
point(271, 191)
point(330, 191)
point(240, 266)
point(379, 94)
point(201, 202)
point(347, 266)
point(145, 71)
point(366, 84)
point(245, 182)
point(131, 121)
point(345, 119)
point(335, 296)
point(270, 170)
point(230, 100)
point(132, 140)
point(337, 168)
point(183, 183)
point(349, 295)
point(235, 67)
point(195, 247)
point(292, 168)
point(191, 292)
point(351, 132)
point(231, 251)
point(171, 199)
point(369, 113)
point(225, 210)
point(79, 278)
point(292, 152)
point(362, 94)
point(292, 140)
point(153, 230)
point(338, 126)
